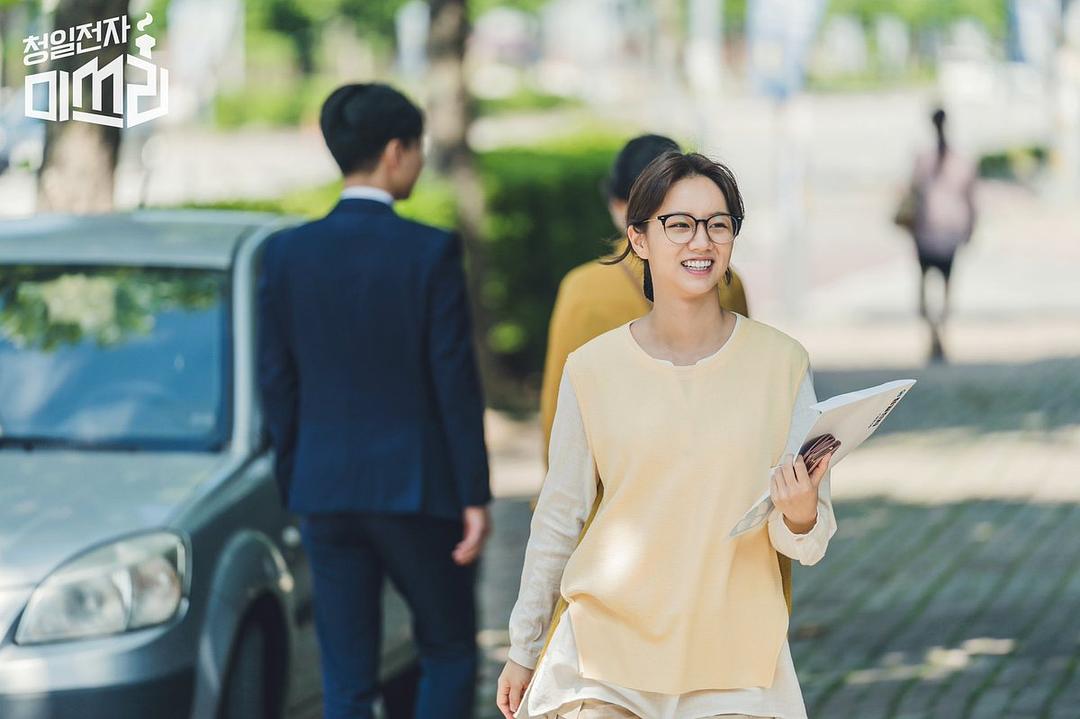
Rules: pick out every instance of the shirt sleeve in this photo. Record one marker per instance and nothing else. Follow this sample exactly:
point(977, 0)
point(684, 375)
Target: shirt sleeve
point(566, 498)
point(810, 547)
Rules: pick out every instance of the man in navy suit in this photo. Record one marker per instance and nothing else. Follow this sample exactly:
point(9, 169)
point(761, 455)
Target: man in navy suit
point(374, 406)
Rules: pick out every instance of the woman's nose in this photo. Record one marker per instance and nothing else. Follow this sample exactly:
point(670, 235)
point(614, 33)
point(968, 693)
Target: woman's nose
point(700, 233)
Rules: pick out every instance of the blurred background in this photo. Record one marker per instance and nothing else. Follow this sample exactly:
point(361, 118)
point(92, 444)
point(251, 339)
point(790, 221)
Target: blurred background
point(949, 589)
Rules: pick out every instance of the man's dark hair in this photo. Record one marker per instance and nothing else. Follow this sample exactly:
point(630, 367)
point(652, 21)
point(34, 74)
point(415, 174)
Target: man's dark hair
point(358, 120)
point(632, 159)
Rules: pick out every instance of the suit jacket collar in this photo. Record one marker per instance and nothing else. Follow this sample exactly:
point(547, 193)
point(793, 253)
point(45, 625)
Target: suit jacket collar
point(362, 205)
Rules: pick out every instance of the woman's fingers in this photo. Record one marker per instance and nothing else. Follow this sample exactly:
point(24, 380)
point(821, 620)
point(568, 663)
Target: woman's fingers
point(794, 489)
point(510, 691)
point(791, 482)
point(802, 474)
point(515, 700)
point(783, 483)
point(502, 698)
point(822, 468)
point(509, 698)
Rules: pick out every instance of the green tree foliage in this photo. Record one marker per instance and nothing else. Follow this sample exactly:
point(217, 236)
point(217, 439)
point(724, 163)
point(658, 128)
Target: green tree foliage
point(546, 215)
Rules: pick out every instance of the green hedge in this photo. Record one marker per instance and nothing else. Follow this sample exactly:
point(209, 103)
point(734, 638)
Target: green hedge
point(525, 100)
point(545, 215)
point(1017, 164)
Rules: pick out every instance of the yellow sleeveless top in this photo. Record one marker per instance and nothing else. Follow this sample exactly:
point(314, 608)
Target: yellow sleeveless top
point(660, 598)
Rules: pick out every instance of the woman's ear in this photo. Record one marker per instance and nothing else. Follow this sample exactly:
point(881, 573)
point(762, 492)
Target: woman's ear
point(638, 242)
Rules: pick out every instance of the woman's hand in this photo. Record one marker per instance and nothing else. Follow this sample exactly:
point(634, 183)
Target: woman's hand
point(512, 683)
point(794, 491)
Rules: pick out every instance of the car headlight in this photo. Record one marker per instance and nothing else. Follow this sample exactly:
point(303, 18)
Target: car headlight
point(130, 584)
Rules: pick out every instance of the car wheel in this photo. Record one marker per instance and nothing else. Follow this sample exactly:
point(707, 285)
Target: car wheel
point(247, 693)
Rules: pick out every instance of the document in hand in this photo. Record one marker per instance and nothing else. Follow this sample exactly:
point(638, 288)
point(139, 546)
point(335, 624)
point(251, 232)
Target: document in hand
point(847, 419)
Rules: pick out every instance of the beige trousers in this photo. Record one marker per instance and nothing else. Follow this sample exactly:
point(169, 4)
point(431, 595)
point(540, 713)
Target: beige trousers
point(596, 709)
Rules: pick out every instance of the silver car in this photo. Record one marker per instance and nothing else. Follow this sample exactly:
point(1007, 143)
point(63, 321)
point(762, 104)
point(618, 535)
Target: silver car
point(147, 568)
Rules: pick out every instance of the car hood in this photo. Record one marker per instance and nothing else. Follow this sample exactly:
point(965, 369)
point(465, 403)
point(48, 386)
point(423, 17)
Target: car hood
point(56, 504)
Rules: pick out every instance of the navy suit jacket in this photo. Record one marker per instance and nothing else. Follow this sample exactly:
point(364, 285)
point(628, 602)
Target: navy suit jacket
point(366, 367)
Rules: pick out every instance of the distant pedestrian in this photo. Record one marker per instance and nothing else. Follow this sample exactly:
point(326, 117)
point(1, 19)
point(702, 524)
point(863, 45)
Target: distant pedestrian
point(940, 214)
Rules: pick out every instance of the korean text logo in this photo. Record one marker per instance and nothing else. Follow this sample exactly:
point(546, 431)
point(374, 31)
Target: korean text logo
point(133, 81)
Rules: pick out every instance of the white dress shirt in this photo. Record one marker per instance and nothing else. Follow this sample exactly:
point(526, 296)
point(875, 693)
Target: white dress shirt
point(565, 500)
point(366, 192)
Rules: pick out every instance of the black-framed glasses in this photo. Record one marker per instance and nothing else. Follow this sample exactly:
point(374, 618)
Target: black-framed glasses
point(679, 227)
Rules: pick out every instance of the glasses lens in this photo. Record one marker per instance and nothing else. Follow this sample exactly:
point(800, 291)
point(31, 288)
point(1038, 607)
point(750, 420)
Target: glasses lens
point(680, 228)
point(721, 228)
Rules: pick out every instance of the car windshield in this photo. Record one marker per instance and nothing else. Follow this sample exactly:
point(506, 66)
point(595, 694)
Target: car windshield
point(114, 357)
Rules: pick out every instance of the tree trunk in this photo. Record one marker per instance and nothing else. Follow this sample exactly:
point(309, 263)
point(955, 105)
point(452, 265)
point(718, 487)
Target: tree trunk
point(450, 112)
point(79, 164)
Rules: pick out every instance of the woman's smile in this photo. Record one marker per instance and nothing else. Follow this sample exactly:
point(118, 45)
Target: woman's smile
point(699, 267)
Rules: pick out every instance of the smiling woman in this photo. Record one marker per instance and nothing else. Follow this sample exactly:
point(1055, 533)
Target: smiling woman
point(676, 183)
point(113, 357)
point(665, 429)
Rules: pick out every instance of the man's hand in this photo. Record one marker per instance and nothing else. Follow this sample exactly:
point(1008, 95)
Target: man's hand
point(512, 683)
point(477, 529)
point(795, 492)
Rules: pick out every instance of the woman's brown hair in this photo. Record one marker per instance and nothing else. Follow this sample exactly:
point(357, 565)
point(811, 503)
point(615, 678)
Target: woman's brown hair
point(654, 182)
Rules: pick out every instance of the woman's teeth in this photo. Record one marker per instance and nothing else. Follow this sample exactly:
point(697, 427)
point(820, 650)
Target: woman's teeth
point(697, 264)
